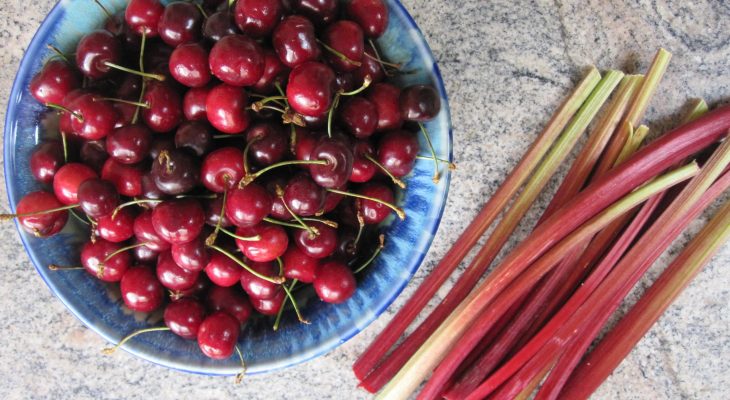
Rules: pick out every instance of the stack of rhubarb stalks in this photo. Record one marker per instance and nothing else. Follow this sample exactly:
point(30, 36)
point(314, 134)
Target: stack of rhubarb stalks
point(525, 328)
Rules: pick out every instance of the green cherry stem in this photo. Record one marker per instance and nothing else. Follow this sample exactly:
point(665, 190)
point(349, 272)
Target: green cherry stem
point(451, 165)
point(157, 77)
point(312, 230)
point(64, 143)
point(240, 375)
point(143, 87)
point(251, 177)
point(75, 215)
point(377, 251)
point(276, 280)
point(123, 249)
point(5, 217)
point(392, 177)
point(61, 108)
point(132, 103)
point(283, 223)
point(436, 172)
point(132, 203)
point(294, 303)
point(104, 9)
point(398, 211)
point(254, 238)
point(58, 53)
point(111, 350)
point(339, 54)
point(360, 226)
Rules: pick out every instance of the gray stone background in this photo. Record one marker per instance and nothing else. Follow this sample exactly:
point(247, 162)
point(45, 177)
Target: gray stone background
point(507, 65)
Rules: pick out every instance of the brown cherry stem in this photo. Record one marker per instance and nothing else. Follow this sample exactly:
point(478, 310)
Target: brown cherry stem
point(164, 157)
point(251, 177)
point(392, 177)
point(54, 267)
point(398, 211)
point(381, 244)
point(64, 144)
point(111, 350)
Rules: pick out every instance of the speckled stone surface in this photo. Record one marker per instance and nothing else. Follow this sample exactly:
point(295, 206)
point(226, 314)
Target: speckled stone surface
point(506, 65)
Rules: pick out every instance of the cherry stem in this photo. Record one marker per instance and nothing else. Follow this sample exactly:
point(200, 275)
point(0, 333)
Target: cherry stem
point(239, 376)
point(134, 71)
point(331, 113)
point(279, 89)
point(106, 12)
point(257, 106)
point(5, 217)
point(381, 244)
point(227, 136)
point(276, 279)
point(380, 59)
point(248, 178)
point(254, 238)
point(292, 139)
point(392, 177)
point(281, 310)
point(293, 303)
point(123, 249)
point(218, 225)
point(330, 223)
point(54, 267)
point(365, 84)
point(111, 350)
point(360, 226)
point(339, 54)
point(451, 165)
point(143, 87)
point(312, 231)
point(284, 223)
point(64, 144)
point(58, 52)
point(245, 154)
point(290, 117)
point(133, 202)
point(132, 103)
point(436, 172)
point(59, 107)
point(73, 214)
point(401, 214)
point(164, 157)
point(202, 11)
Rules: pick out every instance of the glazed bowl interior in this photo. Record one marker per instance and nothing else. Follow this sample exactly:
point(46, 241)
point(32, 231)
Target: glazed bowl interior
point(99, 305)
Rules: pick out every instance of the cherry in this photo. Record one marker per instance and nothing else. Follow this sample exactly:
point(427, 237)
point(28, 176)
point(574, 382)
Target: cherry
point(45, 161)
point(267, 143)
point(141, 291)
point(222, 169)
point(345, 38)
point(369, 67)
point(310, 88)
point(150, 189)
point(97, 117)
point(272, 243)
point(345, 82)
point(331, 200)
point(189, 64)
point(374, 212)
point(172, 276)
point(145, 232)
point(386, 98)
point(305, 141)
point(362, 168)
point(359, 116)
point(193, 255)
point(195, 136)
point(256, 287)
point(95, 50)
point(397, 152)
point(231, 301)
point(194, 104)
point(180, 23)
point(144, 254)
point(65, 118)
point(157, 56)
point(126, 178)
point(347, 246)
point(184, 317)
point(93, 153)
point(125, 112)
point(117, 228)
point(129, 144)
point(237, 60)
point(99, 259)
point(319, 245)
point(223, 271)
point(317, 122)
point(165, 107)
point(218, 335)
point(41, 224)
point(247, 206)
point(67, 180)
point(275, 72)
point(128, 87)
point(371, 15)
point(196, 292)
point(339, 159)
point(278, 210)
point(175, 172)
point(213, 209)
point(161, 143)
point(320, 11)
point(295, 42)
point(298, 265)
point(303, 196)
point(178, 221)
point(226, 108)
point(54, 81)
point(270, 306)
point(143, 16)
point(219, 25)
point(257, 18)
point(419, 103)
point(334, 283)
point(97, 197)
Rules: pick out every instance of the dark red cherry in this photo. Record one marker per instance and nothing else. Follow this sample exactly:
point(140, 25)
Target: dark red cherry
point(172, 276)
point(145, 232)
point(54, 81)
point(67, 180)
point(248, 206)
point(369, 67)
point(256, 287)
point(270, 306)
point(165, 107)
point(345, 82)
point(275, 72)
point(362, 168)
point(189, 65)
point(118, 228)
point(129, 144)
point(226, 108)
point(310, 88)
point(130, 86)
point(268, 143)
point(278, 211)
point(96, 261)
point(97, 197)
point(334, 283)
point(144, 15)
point(397, 151)
point(371, 15)
point(125, 114)
point(257, 18)
point(93, 153)
point(222, 169)
point(419, 103)
point(386, 98)
point(184, 317)
point(180, 23)
point(219, 25)
point(98, 117)
point(295, 42)
point(46, 159)
point(338, 169)
point(194, 104)
point(303, 196)
point(305, 141)
point(318, 122)
point(237, 60)
point(196, 292)
point(298, 265)
point(175, 172)
point(322, 12)
point(45, 224)
point(347, 248)
point(161, 143)
point(126, 178)
point(319, 245)
point(346, 38)
point(178, 221)
point(65, 119)
point(95, 50)
point(144, 254)
point(141, 291)
point(359, 116)
point(193, 255)
point(272, 243)
point(331, 200)
point(218, 335)
point(213, 209)
point(223, 271)
point(372, 211)
point(230, 300)
point(195, 136)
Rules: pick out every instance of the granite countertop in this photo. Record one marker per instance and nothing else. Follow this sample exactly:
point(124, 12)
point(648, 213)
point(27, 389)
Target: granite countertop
point(506, 65)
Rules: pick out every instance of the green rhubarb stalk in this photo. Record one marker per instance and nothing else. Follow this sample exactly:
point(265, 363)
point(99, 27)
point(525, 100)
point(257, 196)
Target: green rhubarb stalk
point(697, 109)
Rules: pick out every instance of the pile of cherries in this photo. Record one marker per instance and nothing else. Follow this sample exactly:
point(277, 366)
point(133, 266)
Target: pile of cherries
point(222, 154)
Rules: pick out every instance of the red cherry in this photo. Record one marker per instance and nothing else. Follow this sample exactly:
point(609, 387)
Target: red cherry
point(141, 291)
point(256, 287)
point(97, 197)
point(274, 72)
point(370, 67)
point(331, 200)
point(310, 88)
point(321, 12)
point(93, 153)
point(219, 25)
point(129, 144)
point(143, 16)
point(230, 300)
point(193, 255)
point(172, 276)
point(346, 38)
point(195, 136)
point(371, 15)
point(386, 98)
point(295, 42)
point(54, 81)
point(178, 221)
point(257, 18)
point(195, 292)
point(116, 229)
point(194, 104)
point(175, 172)
point(94, 260)
point(303, 196)
point(145, 232)
point(304, 143)
point(362, 168)
point(223, 271)
point(397, 152)
point(237, 60)
point(46, 160)
point(218, 334)
point(272, 243)
point(334, 283)
point(359, 116)
point(144, 254)
point(65, 119)
point(189, 65)
point(98, 117)
point(213, 211)
point(338, 169)
point(180, 23)
point(184, 317)
point(268, 143)
point(248, 206)
point(165, 107)
point(372, 211)
point(41, 225)
point(319, 245)
point(419, 103)
point(270, 306)
point(226, 108)
point(298, 265)
point(67, 180)
point(94, 50)
point(126, 178)
point(222, 169)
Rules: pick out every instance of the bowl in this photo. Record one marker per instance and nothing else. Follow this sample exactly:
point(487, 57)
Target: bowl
point(99, 305)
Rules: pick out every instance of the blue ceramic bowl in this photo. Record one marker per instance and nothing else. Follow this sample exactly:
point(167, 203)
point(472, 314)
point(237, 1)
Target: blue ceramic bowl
point(99, 306)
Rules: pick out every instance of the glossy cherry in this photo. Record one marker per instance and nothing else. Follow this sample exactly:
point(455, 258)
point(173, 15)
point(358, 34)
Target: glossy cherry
point(223, 271)
point(369, 67)
point(371, 15)
point(310, 88)
point(54, 81)
point(145, 232)
point(193, 255)
point(335, 282)
point(171, 275)
point(359, 116)
point(237, 60)
point(295, 42)
point(178, 221)
point(118, 228)
point(397, 151)
point(143, 16)
point(97, 197)
point(194, 104)
point(222, 169)
point(386, 98)
point(67, 180)
point(126, 178)
point(419, 103)
point(218, 335)
point(144, 254)
point(226, 108)
point(96, 261)
point(180, 23)
point(322, 12)
point(97, 117)
point(331, 200)
point(65, 119)
point(258, 288)
point(319, 245)
point(95, 50)
point(189, 65)
point(270, 306)
point(272, 243)
point(275, 72)
point(165, 107)
point(305, 141)
point(175, 172)
point(257, 18)
point(45, 161)
point(213, 209)
point(339, 159)
point(195, 292)
point(362, 168)
point(247, 206)
point(298, 265)
point(230, 300)
point(303, 196)
point(184, 317)
point(372, 211)
point(141, 291)
point(346, 38)
point(194, 136)
point(45, 224)
point(219, 25)
point(93, 153)
point(129, 144)
point(268, 143)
